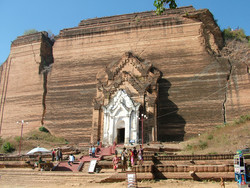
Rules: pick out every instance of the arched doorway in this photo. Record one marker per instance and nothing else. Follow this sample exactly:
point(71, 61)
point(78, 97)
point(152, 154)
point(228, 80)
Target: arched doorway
point(120, 136)
point(120, 120)
point(120, 132)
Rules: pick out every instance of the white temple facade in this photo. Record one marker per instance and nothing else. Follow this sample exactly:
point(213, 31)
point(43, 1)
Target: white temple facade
point(121, 122)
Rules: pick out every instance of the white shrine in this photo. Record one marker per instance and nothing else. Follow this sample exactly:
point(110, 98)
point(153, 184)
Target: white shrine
point(121, 123)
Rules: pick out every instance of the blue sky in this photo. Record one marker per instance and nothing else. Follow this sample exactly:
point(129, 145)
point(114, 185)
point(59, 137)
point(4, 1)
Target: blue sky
point(16, 16)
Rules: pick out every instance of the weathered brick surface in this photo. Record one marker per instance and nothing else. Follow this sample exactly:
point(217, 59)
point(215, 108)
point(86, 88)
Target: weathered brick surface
point(22, 85)
point(176, 45)
point(180, 43)
point(237, 98)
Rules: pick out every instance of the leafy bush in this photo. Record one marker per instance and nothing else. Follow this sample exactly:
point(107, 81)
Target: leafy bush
point(202, 144)
point(210, 137)
point(8, 147)
point(238, 34)
point(30, 31)
point(43, 129)
point(159, 4)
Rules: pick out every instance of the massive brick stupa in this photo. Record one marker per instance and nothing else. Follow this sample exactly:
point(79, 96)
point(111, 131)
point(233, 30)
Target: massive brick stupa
point(97, 79)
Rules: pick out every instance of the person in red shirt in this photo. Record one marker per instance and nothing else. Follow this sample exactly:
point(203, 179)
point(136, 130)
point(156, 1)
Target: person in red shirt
point(115, 162)
point(53, 154)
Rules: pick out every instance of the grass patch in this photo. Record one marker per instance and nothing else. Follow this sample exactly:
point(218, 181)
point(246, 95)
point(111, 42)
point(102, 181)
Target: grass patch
point(44, 136)
point(30, 140)
point(210, 136)
point(225, 138)
point(202, 144)
point(212, 153)
point(242, 119)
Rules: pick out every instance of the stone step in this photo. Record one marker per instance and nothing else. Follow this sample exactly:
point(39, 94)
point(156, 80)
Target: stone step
point(106, 151)
point(197, 176)
point(64, 166)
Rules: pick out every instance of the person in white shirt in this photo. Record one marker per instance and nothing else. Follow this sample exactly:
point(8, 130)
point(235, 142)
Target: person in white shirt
point(71, 159)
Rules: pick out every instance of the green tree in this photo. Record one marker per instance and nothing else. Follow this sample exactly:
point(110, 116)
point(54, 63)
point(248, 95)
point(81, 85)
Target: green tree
point(160, 5)
point(30, 31)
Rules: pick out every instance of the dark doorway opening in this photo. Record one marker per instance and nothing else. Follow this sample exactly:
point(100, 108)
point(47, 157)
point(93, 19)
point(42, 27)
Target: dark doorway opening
point(120, 135)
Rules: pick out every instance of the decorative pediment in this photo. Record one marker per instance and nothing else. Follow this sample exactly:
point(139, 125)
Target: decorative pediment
point(127, 60)
point(121, 102)
point(136, 76)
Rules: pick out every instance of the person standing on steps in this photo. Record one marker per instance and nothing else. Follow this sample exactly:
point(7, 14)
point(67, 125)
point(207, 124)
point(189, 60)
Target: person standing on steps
point(124, 159)
point(57, 154)
point(130, 158)
point(135, 155)
point(98, 142)
point(53, 154)
point(71, 159)
point(90, 151)
point(60, 154)
point(140, 155)
point(115, 162)
point(93, 151)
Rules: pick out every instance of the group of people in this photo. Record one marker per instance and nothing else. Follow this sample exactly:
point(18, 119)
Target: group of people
point(128, 158)
point(92, 151)
point(57, 154)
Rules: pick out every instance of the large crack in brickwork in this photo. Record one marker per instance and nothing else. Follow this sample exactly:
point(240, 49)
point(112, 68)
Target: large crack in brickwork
point(44, 67)
point(237, 53)
point(32, 48)
point(45, 71)
point(226, 90)
point(45, 76)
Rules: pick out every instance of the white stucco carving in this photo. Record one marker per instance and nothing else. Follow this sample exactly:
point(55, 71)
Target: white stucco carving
point(121, 113)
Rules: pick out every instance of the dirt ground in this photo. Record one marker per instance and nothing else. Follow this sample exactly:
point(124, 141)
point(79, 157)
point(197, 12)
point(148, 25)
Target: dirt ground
point(28, 178)
point(176, 184)
point(159, 184)
point(66, 182)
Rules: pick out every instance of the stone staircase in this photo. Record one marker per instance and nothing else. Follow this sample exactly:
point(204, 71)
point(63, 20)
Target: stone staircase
point(83, 160)
point(156, 165)
point(64, 166)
